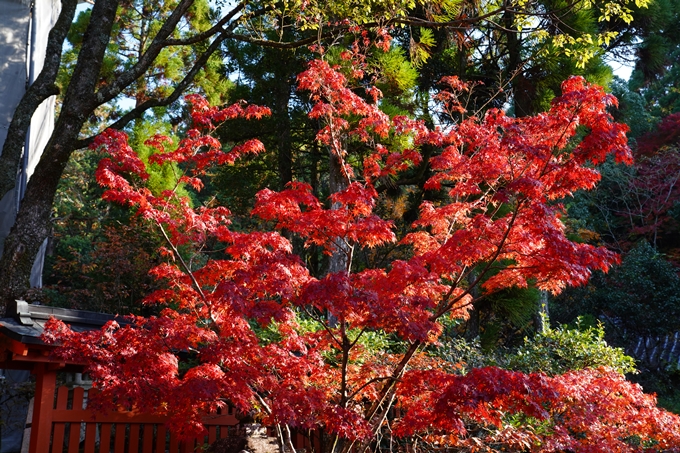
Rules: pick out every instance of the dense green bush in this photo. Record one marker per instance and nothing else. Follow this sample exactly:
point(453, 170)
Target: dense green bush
point(562, 349)
point(553, 351)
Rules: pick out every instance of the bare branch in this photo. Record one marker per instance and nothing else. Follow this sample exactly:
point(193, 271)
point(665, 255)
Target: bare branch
point(112, 90)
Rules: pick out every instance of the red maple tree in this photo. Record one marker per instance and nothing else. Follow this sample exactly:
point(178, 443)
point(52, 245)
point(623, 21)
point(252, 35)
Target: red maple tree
point(503, 177)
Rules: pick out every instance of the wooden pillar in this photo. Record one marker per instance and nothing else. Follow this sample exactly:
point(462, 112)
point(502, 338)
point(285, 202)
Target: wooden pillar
point(43, 405)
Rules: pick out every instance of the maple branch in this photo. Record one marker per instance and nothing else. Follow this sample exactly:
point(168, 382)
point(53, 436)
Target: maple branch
point(187, 269)
point(325, 326)
point(385, 410)
point(388, 389)
point(356, 340)
point(396, 375)
point(387, 392)
point(565, 130)
point(289, 439)
point(279, 432)
point(413, 21)
point(343, 246)
point(345, 360)
point(366, 384)
point(458, 24)
point(350, 256)
point(262, 402)
point(482, 274)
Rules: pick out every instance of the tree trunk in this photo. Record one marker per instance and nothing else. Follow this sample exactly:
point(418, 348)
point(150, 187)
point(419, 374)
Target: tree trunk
point(339, 261)
point(472, 326)
point(541, 314)
point(41, 89)
point(33, 220)
point(283, 124)
point(523, 90)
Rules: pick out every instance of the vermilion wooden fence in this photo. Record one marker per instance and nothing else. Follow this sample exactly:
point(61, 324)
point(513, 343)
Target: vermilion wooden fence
point(62, 423)
point(76, 429)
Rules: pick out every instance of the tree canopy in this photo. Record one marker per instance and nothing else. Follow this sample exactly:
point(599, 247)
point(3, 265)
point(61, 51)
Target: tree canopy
point(155, 52)
point(254, 327)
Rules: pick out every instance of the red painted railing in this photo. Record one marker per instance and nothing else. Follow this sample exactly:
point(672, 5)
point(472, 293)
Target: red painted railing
point(75, 429)
point(62, 423)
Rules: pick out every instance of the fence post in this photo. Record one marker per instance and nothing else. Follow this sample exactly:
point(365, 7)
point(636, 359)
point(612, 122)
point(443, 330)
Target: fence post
point(43, 405)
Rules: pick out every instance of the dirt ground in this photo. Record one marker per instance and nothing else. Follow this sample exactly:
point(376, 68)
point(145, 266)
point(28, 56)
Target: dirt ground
point(251, 440)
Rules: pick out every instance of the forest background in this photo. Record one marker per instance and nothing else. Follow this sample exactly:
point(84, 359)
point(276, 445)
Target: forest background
point(99, 254)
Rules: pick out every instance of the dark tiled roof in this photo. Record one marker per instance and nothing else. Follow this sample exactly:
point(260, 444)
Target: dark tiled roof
point(25, 322)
